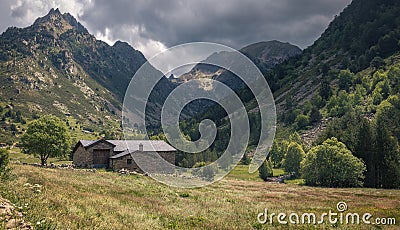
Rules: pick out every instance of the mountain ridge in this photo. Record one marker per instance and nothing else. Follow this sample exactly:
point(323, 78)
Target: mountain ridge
point(265, 55)
point(333, 76)
point(55, 66)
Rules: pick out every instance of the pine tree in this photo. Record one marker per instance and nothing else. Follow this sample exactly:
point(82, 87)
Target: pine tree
point(365, 150)
point(265, 170)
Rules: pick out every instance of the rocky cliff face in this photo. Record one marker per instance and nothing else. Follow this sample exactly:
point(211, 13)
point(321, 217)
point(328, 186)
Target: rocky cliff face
point(265, 56)
point(55, 66)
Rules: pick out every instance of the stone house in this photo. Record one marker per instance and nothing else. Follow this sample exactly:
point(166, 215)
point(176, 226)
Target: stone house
point(116, 154)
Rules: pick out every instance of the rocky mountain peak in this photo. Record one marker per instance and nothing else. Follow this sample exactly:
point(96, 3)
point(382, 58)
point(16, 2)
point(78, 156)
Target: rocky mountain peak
point(58, 23)
point(120, 45)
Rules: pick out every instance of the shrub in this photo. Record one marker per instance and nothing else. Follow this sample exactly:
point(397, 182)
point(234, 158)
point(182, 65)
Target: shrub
point(302, 121)
point(331, 164)
point(293, 158)
point(345, 80)
point(265, 170)
point(4, 160)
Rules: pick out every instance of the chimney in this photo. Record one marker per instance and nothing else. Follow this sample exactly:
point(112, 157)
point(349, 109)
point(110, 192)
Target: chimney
point(140, 147)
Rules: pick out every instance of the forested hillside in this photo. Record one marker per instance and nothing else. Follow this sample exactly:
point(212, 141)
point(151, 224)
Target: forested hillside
point(55, 66)
point(346, 85)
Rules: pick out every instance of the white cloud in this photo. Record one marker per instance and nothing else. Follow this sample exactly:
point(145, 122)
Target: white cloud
point(26, 11)
point(132, 35)
point(105, 36)
point(150, 47)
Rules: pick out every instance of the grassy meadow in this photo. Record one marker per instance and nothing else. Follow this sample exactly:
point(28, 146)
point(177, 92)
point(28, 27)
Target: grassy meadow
point(76, 199)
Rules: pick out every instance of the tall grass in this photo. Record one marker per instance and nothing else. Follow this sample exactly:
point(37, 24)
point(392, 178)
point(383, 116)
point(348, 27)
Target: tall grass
point(66, 199)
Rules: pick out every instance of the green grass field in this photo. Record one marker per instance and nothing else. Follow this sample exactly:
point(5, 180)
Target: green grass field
point(17, 156)
point(76, 199)
point(241, 172)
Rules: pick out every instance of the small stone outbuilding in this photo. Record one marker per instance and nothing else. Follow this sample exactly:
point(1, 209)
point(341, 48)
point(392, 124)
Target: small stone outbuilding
point(117, 154)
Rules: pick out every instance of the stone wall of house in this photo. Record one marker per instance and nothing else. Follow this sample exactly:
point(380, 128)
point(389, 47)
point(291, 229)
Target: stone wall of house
point(122, 163)
point(101, 145)
point(82, 158)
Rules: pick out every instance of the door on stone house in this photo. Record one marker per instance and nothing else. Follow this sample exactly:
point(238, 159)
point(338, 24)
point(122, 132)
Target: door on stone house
point(101, 158)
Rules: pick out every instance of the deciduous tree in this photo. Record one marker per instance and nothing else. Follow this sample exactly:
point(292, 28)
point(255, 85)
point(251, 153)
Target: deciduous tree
point(331, 164)
point(46, 137)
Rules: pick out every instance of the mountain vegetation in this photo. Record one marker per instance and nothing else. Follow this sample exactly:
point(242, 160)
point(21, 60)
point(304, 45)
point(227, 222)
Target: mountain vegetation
point(56, 67)
point(338, 107)
point(4, 168)
point(331, 164)
point(346, 85)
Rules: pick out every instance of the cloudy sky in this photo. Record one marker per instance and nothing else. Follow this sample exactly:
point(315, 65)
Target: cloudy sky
point(154, 25)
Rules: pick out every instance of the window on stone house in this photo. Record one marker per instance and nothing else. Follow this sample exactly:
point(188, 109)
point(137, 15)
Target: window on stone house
point(129, 161)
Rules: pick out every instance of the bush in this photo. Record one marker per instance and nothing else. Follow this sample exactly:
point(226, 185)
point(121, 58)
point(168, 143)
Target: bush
point(315, 115)
point(331, 164)
point(245, 159)
point(302, 121)
point(293, 158)
point(345, 80)
point(4, 160)
point(265, 170)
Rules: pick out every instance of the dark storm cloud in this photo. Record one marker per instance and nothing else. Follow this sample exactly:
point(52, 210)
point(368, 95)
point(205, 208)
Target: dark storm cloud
point(153, 25)
point(232, 22)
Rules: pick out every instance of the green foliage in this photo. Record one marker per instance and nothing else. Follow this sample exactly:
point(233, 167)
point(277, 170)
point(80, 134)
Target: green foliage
point(345, 80)
point(4, 160)
point(245, 159)
point(161, 136)
point(295, 137)
point(375, 142)
point(377, 62)
point(46, 137)
point(270, 171)
point(112, 134)
point(325, 91)
point(199, 164)
point(265, 170)
point(277, 153)
point(302, 121)
point(387, 155)
point(339, 105)
point(293, 158)
point(315, 115)
point(332, 165)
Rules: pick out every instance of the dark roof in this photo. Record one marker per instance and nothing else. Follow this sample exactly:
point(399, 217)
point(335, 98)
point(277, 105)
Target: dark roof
point(88, 143)
point(124, 153)
point(132, 145)
point(91, 143)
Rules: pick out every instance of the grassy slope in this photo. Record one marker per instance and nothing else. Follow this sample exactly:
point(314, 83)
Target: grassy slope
point(241, 172)
point(105, 200)
point(16, 155)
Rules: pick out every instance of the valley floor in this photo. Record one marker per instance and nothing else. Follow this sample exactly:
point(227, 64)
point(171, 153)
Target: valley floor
point(73, 199)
